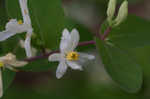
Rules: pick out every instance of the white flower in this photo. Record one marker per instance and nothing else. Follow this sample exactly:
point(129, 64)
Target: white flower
point(14, 27)
point(68, 57)
point(10, 62)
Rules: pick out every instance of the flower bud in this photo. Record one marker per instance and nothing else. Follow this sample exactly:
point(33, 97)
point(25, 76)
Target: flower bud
point(122, 14)
point(111, 10)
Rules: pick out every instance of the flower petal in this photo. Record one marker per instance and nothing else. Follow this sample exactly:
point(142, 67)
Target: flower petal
point(86, 56)
point(65, 40)
point(74, 39)
point(69, 41)
point(27, 21)
point(1, 84)
point(74, 65)
point(25, 12)
point(13, 27)
point(8, 58)
point(18, 63)
point(61, 69)
point(6, 34)
point(28, 45)
point(11, 68)
point(54, 57)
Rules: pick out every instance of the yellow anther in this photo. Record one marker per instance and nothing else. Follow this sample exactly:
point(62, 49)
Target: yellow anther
point(72, 56)
point(1, 64)
point(20, 22)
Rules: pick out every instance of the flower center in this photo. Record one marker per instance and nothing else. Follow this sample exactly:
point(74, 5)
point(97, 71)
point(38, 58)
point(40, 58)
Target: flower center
point(1, 64)
point(20, 22)
point(72, 56)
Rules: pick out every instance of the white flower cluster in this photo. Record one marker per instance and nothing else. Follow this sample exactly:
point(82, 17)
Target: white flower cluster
point(68, 56)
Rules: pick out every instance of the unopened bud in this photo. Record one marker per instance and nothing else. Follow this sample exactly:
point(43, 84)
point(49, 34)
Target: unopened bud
point(111, 10)
point(122, 14)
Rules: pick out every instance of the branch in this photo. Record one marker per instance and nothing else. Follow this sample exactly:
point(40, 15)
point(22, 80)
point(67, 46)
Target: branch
point(57, 51)
point(106, 33)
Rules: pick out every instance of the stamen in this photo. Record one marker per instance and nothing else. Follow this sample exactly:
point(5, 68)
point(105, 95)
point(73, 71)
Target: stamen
point(72, 56)
point(20, 22)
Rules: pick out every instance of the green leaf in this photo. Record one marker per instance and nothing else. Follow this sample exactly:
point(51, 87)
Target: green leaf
point(134, 32)
point(3, 15)
point(51, 22)
point(121, 67)
point(7, 77)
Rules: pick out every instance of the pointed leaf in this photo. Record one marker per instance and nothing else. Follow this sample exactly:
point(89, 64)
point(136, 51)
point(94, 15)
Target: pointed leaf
point(121, 67)
point(7, 77)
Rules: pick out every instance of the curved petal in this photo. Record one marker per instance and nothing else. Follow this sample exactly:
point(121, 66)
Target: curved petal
point(12, 28)
point(86, 56)
point(64, 40)
point(6, 34)
point(74, 40)
point(8, 58)
point(28, 45)
point(1, 84)
point(18, 63)
point(74, 65)
point(25, 11)
point(11, 68)
point(61, 69)
point(54, 57)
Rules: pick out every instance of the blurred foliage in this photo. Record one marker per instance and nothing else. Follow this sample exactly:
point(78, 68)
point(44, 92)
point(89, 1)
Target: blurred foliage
point(8, 77)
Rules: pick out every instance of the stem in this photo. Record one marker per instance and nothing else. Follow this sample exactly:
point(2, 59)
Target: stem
point(57, 51)
point(86, 43)
point(40, 56)
point(106, 33)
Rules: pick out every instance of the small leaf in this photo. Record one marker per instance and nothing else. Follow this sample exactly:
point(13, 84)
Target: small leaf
point(7, 77)
point(121, 67)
